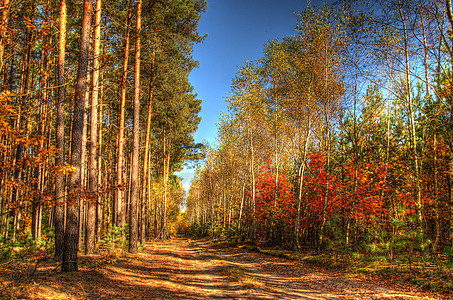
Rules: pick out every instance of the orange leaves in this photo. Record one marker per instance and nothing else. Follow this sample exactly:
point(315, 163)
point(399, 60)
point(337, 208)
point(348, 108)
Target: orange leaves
point(61, 170)
point(317, 181)
point(364, 190)
point(35, 153)
point(39, 155)
point(6, 112)
point(275, 200)
point(317, 161)
point(410, 211)
point(29, 23)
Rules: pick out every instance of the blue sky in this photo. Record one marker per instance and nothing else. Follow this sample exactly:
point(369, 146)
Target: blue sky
point(237, 31)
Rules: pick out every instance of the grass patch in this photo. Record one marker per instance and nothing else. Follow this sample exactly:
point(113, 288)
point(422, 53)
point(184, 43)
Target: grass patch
point(435, 276)
point(240, 275)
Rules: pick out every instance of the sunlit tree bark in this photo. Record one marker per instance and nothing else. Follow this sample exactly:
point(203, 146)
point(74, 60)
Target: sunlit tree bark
point(60, 180)
point(90, 238)
point(72, 221)
point(135, 178)
point(119, 196)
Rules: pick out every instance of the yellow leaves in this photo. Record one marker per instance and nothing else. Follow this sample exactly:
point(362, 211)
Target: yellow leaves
point(39, 155)
point(10, 184)
point(6, 111)
point(35, 153)
point(62, 170)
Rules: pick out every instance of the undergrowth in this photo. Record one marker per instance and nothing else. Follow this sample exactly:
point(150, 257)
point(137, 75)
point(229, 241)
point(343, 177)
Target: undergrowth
point(425, 273)
point(26, 250)
point(240, 275)
point(25, 246)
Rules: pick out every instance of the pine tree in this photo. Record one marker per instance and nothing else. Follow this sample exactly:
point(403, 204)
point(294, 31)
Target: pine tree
point(72, 220)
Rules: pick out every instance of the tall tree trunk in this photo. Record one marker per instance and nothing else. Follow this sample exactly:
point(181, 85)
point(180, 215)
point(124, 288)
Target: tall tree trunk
point(301, 175)
point(450, 170)
point(165, 173)
point(355, 149)
point(60, 180)
point(146, 156)
point(275, 192)
point(326, 196)
point(22, 120)
point(119, 201)
point(71, 233)
point(429, 96)
point(253, 179)
point(418, 202)
point(241, 208)
point(135, 177)
point(327, 152)
point(100, 205)
point(39, 176)
point(90, 238)
point(84, 170)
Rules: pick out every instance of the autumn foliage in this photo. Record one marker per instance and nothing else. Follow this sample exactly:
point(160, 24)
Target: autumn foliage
point(275, 210)
point(333, 141)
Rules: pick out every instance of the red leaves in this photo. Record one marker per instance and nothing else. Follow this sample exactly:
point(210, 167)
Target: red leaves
point(360, 194)
point(275, 200)
point(316, 182)
point(317, 161)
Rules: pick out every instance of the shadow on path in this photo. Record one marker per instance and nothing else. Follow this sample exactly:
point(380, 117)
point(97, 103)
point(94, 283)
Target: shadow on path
point(187, 269)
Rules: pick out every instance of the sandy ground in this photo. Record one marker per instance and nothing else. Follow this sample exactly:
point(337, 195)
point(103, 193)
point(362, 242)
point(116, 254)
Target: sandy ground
point(189, 269)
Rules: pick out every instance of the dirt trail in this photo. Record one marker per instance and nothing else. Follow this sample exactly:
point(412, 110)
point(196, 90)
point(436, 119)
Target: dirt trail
point(193, 269)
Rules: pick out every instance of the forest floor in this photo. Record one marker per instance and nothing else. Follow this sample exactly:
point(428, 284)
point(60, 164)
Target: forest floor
point(181, 268)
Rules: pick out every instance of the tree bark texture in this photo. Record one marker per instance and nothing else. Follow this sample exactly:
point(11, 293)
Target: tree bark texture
point(146, 171)
point(119, 201)
point(71, 233)
point(135, 177)
point(60, 180)
point(90, 238)
point(450, 171)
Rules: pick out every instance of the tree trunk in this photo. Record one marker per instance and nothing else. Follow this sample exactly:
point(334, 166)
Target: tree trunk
point(38, 175)
point(242, 207)
point(71, 233)
point(90, 238)
point(165, 171)
point(450, 170)
point(418, 202)
point(84, 169)
point(135, 177)
point(60, 179)
point(22, 121)
point(100, 205)
point(324, 207)
point(275, 193)
point(327, 151)
point(301, 175)
point(146, 156)
point(119, 201)
point(252, 174)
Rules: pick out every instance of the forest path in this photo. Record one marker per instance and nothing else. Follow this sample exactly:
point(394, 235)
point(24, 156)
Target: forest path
point(195, 269)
